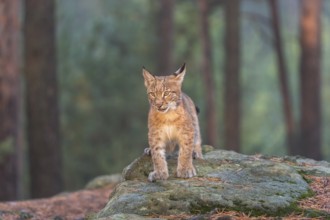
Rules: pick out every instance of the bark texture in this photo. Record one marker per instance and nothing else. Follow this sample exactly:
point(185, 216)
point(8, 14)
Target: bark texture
point(310, 79)
point(42, 99)
point(232, 96)
point(211, 119)
point(9, 98)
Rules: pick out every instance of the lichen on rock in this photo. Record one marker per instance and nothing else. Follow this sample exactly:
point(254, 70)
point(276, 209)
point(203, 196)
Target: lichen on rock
point(226, 180)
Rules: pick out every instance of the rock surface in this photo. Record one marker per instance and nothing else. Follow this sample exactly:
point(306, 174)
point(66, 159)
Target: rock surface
point(226, 180)
point(102, 181)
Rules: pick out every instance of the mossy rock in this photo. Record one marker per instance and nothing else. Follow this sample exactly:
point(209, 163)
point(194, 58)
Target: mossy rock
point(226, 180)
point(102, 181)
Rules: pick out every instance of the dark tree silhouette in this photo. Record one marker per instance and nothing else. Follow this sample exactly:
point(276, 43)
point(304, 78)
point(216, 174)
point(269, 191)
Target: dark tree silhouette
point(232, 96)
point(211, 119)
point(310, 78)
point(41, 98)
point(9, 99)
point(283, 80)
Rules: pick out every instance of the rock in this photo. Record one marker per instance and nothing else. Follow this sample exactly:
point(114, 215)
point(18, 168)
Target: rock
point(127, 217)
point(207, 148)
point(226, 180)
point(104, 180)
point(309, 166)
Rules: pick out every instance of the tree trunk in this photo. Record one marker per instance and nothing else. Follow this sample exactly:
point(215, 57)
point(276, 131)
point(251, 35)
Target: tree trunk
point(283, 80)
point(41, 98)
point(211, 119)
point(232, 95)
point(165, 32)
point(310, 79)
point(9, 99)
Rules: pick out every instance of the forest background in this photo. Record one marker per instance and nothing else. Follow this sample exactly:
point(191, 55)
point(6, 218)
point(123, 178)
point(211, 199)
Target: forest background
point(74, 106)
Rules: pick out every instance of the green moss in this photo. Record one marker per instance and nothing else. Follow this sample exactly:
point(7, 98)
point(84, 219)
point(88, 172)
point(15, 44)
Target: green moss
point(202, 208)
point(308, 194)
point(303, 174)
point(282, 212)
point(310, 213)
point(198, 209)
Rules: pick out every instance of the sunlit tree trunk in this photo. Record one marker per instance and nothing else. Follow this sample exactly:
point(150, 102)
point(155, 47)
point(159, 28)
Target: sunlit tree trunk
point(165, 36)
point(310, 78)
point(41, 98)
point(232, 96)
point(9, 99)
point(211, 119)
point(283, 80)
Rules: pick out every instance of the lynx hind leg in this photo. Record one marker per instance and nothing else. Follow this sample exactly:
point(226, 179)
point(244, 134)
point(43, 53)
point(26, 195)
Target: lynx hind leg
point(147, 151)
point(197, 153)
point(185, 167)
point(160, 172)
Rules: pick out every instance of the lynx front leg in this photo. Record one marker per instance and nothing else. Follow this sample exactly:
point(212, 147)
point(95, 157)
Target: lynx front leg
point(185, 167)
point(160, 172)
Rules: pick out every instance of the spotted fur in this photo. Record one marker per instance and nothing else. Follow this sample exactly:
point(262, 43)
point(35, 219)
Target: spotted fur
point(172, 121)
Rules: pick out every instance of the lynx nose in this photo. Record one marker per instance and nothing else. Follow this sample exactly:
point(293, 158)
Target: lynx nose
point(158, 103)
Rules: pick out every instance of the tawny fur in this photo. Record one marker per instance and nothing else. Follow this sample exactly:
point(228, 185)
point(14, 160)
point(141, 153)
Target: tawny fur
point(172, 120)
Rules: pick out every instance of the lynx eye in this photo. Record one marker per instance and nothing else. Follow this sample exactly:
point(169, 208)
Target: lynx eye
point(167, 93)
point(151, 94)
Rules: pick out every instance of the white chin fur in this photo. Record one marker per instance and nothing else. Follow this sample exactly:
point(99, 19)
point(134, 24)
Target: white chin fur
point(169, 107)
point(163, 111)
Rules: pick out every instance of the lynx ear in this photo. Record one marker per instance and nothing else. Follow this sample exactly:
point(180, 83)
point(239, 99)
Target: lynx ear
point(180, 73)
point(148, 77)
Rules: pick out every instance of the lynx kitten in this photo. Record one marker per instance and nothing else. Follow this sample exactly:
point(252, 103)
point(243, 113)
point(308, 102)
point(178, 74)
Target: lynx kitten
point(172, 120)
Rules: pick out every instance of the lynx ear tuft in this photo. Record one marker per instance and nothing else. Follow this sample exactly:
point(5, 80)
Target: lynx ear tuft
point(180, 73)
point(181, 69)
point(148, 77)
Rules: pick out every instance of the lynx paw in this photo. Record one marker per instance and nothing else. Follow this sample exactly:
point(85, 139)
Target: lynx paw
point(196, 155)
point(147, 151)
point(186, 172)
point(153, 176)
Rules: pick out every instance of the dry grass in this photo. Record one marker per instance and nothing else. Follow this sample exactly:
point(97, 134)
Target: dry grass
point(321, 199)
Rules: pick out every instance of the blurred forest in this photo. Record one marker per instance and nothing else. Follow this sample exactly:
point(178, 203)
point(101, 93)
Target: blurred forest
point(73, 104)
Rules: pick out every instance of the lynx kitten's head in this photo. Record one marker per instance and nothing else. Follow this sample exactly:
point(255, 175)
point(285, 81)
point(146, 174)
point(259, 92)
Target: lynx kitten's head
point(164, 92)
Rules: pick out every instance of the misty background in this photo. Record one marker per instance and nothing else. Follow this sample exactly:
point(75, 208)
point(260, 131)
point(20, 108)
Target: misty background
point(101, 47)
